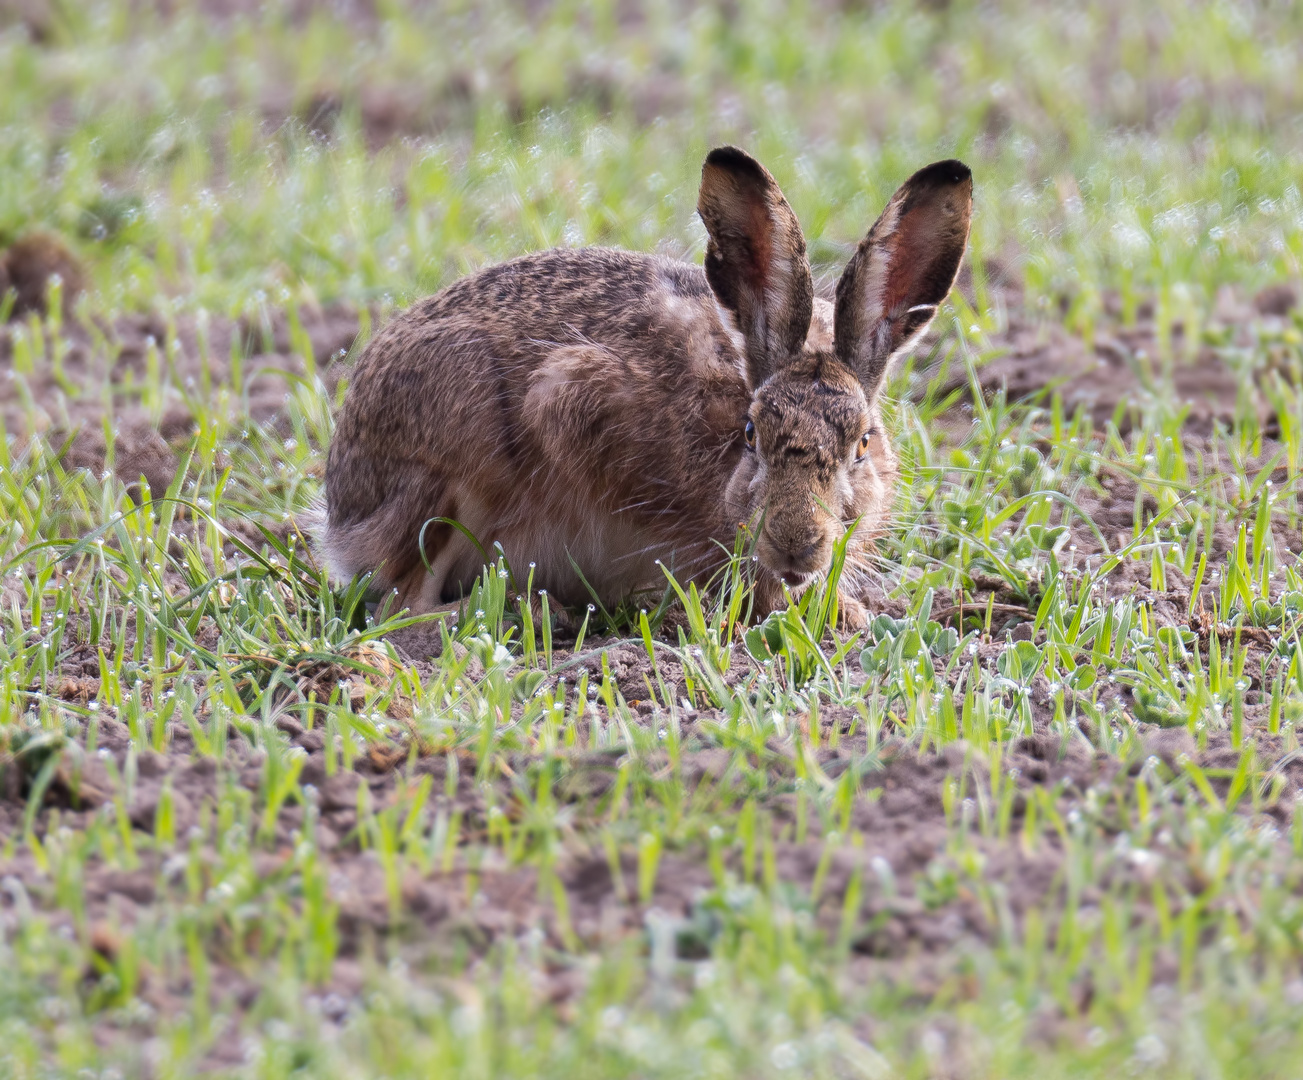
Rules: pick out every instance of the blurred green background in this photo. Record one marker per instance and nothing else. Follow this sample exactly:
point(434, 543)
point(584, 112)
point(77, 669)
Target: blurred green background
point(231, 155)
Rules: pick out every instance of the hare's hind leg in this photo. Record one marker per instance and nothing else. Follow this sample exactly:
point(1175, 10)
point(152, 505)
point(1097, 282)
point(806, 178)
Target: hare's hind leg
point(434, 587)
point(384, 534)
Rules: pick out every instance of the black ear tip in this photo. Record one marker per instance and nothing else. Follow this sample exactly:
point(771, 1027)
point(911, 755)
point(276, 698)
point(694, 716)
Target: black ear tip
point(951, 171)
point(734, 160)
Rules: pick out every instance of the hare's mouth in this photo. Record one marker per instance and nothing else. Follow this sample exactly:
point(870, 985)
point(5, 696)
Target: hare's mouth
point(796, 579)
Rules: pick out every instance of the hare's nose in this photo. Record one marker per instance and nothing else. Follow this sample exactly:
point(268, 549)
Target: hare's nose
point(806, 553)
point(799, 555)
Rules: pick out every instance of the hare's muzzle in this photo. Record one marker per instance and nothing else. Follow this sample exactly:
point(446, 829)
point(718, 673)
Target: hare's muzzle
point(794, 558)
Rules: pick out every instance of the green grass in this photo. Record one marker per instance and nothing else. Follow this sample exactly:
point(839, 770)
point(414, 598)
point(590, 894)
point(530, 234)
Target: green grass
point(1125, 904)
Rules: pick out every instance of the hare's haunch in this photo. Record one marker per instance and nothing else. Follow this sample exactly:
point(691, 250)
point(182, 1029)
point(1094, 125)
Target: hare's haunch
point(597, 411)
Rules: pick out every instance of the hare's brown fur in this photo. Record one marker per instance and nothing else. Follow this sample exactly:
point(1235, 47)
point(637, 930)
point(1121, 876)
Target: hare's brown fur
point(588, 409)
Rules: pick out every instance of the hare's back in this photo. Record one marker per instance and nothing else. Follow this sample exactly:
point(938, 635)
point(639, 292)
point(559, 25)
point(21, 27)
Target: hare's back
point(533, 304)
point(466, 357)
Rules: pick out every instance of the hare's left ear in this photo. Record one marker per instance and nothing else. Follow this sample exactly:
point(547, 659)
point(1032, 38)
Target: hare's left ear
point(902, 270)
point(755, 259)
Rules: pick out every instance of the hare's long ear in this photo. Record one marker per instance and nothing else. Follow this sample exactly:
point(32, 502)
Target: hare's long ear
point(755, 259)
point(903, 269)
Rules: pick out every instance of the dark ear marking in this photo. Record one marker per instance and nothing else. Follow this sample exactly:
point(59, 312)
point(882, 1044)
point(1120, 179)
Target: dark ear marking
point(903, 269)
point(755, 259)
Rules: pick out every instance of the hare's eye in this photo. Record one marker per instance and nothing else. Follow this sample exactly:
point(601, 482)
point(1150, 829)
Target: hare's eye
point(749, 432)
point(863, 447)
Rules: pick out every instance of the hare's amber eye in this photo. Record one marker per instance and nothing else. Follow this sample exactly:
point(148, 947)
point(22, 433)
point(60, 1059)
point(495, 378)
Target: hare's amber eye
point(863, 447)
point(749, 432)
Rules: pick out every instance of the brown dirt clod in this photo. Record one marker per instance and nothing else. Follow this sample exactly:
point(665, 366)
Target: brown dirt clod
point(29, 267)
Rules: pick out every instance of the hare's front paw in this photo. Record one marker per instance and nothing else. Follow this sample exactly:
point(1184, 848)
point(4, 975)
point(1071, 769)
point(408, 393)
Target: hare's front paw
point(851, 614)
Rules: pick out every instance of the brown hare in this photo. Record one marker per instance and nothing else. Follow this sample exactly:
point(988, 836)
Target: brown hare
point(601, 411)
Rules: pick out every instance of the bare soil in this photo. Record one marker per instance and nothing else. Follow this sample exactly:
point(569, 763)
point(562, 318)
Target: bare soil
point(912, 925)
point(1131, 365)
point(103, 369)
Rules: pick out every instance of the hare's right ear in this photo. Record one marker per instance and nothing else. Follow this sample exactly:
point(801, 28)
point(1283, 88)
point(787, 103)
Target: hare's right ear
point(755, 259)
point(903, 269)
